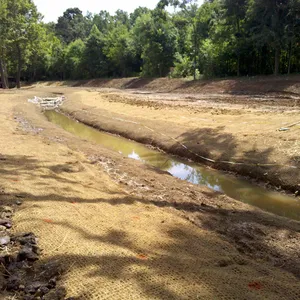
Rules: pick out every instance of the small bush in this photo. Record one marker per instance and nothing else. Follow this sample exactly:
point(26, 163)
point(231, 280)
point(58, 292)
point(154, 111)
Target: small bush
point(183, 67)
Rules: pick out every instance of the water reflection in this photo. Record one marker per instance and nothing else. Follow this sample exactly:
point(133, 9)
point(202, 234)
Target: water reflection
point(191, 172)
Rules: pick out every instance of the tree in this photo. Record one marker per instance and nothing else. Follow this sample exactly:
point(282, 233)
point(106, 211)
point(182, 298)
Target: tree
point(235, 13)
point(55, 68)
point(38, 55)
point(117, 49)
point(292, 29)
point(217, 38)
point(189, 10)
point(23, 31)
point(138, 12)
point(73, 59)
point(267, 23)
point(72, 25)
point(103, 21)
point(95, 61)
point(3, 43)
point(155, 41)
point(122, 17)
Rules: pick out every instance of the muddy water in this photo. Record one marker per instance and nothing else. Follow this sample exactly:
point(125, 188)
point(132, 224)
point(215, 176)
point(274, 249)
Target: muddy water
point(192, 172)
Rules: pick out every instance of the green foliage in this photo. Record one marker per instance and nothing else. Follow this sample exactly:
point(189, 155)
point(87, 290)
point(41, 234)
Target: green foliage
point(55, 68)
point(104, 21)
point(121, 18)
point(72, 26)
point(21, 31)
point(183, 66)
point(138, 12)
point(218, 38)
point(73, 59)
point(117, 49)
point(155, 42)
point(95, 61)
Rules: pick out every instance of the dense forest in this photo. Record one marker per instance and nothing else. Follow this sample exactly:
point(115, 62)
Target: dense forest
point(217, 38)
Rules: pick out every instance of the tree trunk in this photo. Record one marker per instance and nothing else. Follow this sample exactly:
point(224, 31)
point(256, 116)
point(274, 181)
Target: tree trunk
point(34, 73)
point(3, 74)
point(238, 65)
point(195, 51)
point(19, 68)
point(277, 60)
point(290, 58)
point(238, 40)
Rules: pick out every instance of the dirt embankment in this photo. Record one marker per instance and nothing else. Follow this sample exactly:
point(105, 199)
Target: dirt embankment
point(245, 139)
point(283, 86)
point(122, 229)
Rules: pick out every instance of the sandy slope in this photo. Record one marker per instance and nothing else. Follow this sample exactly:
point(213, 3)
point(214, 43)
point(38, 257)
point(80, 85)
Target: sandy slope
point(121, 232)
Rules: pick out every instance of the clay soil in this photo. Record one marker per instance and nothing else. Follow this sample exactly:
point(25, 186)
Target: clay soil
point(124, 230)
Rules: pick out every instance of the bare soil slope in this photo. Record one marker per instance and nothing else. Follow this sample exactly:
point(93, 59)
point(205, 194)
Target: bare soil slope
point(121, 232)
point(284, 86)
point(228, 132)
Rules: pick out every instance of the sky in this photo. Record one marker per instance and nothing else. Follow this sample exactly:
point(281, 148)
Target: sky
point(52, 9)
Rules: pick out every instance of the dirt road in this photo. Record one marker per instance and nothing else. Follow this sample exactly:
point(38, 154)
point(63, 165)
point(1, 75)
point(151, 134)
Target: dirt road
point(123, 230)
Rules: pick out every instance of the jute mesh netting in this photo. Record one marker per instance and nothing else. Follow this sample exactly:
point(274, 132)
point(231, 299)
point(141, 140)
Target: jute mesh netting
point(117, 250)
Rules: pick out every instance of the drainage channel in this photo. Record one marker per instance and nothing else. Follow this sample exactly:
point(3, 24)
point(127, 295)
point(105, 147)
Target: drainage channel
point(241, 190)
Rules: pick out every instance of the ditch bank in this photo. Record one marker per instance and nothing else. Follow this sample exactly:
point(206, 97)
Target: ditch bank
point(197, 174)
point(257, 159)
point(136, 216)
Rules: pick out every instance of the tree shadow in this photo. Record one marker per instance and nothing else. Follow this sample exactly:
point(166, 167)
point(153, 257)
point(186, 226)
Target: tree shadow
point(256, 234)
point(244, 85)
point(265, 85)
point(195, 86)
point(14, 166)
point(205, 144)
point(188, 256)
point(137, 83)
point(210, 139)
point(119, 83)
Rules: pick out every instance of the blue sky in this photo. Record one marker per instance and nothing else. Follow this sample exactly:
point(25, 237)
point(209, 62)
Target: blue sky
point(52, 9)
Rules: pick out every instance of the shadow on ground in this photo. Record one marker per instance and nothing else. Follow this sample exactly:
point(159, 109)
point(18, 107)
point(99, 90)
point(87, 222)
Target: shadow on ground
point(222, 147)
point(255, 234)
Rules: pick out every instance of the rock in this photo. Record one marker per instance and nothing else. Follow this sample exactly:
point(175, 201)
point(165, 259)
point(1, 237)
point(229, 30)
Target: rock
point(28, 297)
point(6, 223)
point(33, 287)
point(44, 290)
point(2, 228)
point(20, 196)
point(6, 215)
point(18, 202)
point(283, 129)
point(4, 240)
point(26, 238)
point(13, 282)
point(51, 270)
point(7, 209)
point(57, 294)
point(36, 249)
point(26, 253)
point(52, 283)
point(224, 263)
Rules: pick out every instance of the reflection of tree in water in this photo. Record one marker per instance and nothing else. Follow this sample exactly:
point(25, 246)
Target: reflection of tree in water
point(195, 175)
point(166, 164)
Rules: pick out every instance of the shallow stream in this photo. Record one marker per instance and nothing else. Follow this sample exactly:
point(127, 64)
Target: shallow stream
point(195, 173)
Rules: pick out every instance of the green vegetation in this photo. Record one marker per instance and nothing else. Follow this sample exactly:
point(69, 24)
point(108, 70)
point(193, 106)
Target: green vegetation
point(218, 38)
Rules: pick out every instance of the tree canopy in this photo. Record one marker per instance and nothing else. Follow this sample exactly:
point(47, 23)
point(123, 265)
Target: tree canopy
point(217, 38)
